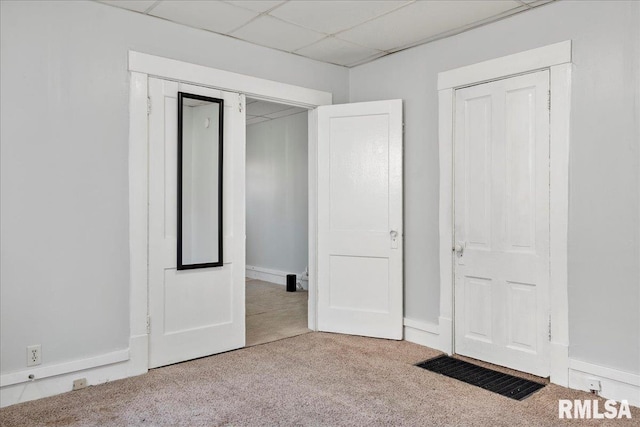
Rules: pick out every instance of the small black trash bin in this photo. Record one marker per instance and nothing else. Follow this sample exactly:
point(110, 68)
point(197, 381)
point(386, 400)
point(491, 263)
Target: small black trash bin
point(291, 282)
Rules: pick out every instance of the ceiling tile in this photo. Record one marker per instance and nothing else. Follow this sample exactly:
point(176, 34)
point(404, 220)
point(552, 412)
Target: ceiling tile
point(422, 20)
point(288, 112)
point(332, 16)
point(271, 32)
point(135, 5)
point(209, 15)
point(257, 120)
point(337, 51)
point(259, 6)
point(262, 108)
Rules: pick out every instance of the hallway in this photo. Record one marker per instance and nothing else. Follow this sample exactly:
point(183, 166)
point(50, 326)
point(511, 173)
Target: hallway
point(272, 313)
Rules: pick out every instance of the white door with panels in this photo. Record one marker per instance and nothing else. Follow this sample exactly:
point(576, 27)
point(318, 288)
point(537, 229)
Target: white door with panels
point(360, 219)
point(196, 295)
point(501, 235)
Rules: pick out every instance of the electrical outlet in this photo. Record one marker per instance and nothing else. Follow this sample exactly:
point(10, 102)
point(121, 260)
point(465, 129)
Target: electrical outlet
point(79, 384)
point(34, 355)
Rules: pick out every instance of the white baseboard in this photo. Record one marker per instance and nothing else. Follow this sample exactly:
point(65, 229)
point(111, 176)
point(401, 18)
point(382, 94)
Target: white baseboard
point(41, 372)
point(422, 333)
point(56, 379)
point(615, 384)
point(273, 276)
point(266, 274)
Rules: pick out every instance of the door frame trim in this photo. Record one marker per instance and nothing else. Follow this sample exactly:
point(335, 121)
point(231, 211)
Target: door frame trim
point(557, 59)
point(141, 66)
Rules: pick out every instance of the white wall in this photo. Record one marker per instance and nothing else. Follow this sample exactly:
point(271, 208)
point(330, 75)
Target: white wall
point(604, 247)
point(277, 191)
point(64, 170)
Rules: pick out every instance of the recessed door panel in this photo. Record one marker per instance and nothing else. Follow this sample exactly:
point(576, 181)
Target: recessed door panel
point(520, 153)
point(522, 323)
point(477, 147)
point(359, 173)
point(478, 305)
point(373, 273)
point(184, 293)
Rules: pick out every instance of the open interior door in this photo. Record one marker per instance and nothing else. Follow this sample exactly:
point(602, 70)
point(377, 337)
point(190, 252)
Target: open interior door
point(360, 230)
point(195, 312)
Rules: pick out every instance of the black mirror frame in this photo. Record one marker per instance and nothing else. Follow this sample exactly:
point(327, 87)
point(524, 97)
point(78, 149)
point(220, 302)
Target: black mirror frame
point(219, 263)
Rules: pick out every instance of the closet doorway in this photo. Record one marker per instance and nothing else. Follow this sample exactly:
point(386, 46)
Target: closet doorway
point(277, 212)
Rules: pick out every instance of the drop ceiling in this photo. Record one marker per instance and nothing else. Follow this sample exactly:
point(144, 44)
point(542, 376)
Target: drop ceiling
point(340, 32)
point(262, 111)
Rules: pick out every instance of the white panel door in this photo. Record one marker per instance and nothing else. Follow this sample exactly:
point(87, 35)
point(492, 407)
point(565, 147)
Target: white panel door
point(199, 312)
point(360, 219)
point(502, 222)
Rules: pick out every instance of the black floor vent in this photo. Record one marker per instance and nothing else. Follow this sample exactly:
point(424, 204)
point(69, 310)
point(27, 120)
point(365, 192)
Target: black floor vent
point(497, 382)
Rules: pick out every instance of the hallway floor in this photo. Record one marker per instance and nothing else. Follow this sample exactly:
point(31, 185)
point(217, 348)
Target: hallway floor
point(272, 313)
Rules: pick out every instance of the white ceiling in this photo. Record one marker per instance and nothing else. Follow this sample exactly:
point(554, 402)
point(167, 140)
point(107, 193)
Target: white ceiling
point(342, 32)
point(262, 111)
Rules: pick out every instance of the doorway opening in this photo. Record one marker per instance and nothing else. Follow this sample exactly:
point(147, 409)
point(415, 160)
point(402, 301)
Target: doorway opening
point(277, 212)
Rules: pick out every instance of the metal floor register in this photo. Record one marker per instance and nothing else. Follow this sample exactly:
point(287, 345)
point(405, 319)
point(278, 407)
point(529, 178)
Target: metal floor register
point(488, 379)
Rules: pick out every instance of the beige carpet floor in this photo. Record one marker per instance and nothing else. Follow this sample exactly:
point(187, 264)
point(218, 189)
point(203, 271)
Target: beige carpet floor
point(272, 313)
point(315, 379)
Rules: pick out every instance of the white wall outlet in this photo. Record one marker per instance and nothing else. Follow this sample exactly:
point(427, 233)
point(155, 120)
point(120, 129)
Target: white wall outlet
point(594, 385)
point(79, 384)
point(34, 355)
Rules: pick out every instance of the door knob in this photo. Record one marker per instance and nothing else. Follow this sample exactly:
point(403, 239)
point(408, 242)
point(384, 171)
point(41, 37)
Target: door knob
point(459, 248)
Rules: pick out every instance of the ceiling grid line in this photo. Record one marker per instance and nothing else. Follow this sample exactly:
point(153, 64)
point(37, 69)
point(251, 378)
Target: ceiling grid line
point(150, 8)
point(345, 33)
point(254, 18)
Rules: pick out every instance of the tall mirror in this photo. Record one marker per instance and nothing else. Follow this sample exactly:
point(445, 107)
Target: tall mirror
point(200, 120)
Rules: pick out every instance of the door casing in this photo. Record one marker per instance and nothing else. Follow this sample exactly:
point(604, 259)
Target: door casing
point(141, 67)
point(557, 59)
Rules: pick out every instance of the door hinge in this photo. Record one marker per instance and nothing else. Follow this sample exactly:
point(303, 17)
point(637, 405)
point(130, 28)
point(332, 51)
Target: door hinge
point(549, 328)
point(240, 103)
point(148, 324)
point(148, 106)
point(549, 100)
